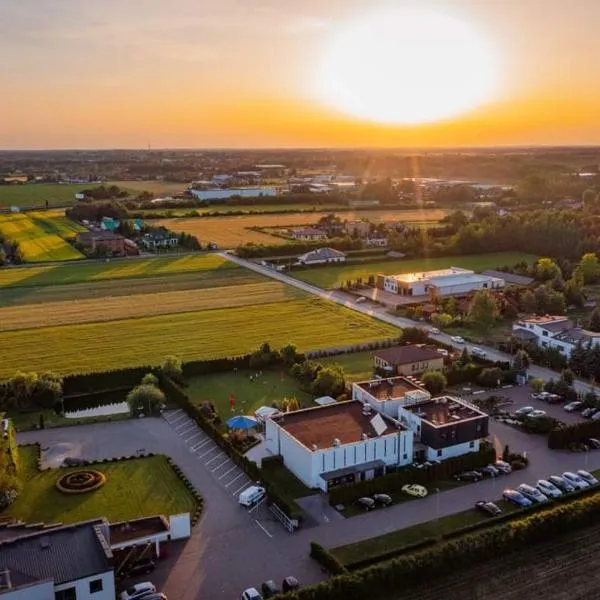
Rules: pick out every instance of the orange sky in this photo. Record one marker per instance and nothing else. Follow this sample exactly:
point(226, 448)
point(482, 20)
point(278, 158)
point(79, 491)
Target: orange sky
point(240, 73)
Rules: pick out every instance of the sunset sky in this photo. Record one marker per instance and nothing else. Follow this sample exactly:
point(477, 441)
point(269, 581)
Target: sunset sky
point(242, 73)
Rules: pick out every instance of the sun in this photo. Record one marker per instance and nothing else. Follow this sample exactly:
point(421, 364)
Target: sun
point(408, 66)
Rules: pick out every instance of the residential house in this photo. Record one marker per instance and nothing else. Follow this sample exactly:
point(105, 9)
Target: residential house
point(308, 234)
point(445, 282)
point(322, 256)
point(376, 242)
point(554, 331)
point(357, 228)
point(159, 239)
point(408, 360)
point(93, 240)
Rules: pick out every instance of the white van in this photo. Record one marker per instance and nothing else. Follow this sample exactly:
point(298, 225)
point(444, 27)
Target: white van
point(478, 352)
point(138, 590)
point(252, 495)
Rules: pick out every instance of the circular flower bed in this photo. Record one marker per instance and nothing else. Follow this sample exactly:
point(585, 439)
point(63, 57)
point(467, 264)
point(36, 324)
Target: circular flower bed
point(81, 481)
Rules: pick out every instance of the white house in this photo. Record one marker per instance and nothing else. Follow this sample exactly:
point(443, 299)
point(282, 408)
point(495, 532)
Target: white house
point(554, 331)
point(338, 443)
point(308, 234)
point(225, 194)
point(447, 282)
point(322, 256)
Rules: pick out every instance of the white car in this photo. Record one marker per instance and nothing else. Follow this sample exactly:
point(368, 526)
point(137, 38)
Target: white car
point(138, 590)
point(578, 482)
point(434, 330)
point(503, 467)
point(524, 410)
point(478, 352)
point(587, 476)
point(536, 414)
point(573, 406)
point(532, 493)
point(251, 594)
point(548, 489)
point(457, 339)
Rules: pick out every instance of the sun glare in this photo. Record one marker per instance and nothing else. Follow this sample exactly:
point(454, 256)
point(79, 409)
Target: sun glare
point(407, 66)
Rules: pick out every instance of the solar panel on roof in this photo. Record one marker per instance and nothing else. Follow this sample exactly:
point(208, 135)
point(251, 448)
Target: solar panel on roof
point(378, 424)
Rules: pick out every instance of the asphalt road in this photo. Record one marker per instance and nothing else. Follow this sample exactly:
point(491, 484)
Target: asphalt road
point(379, 312)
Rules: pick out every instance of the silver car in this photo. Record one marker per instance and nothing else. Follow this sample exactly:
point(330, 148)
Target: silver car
point(561, 483)
point(587, 476)
point(575, 480)
point(532, 493)
point(548, 489)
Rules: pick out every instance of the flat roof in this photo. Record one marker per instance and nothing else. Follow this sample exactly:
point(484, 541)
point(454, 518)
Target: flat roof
point(445, 410)
point(422, 275)
point(545, 319)
point(125, 531)
point(343, 421)
point(390, 388)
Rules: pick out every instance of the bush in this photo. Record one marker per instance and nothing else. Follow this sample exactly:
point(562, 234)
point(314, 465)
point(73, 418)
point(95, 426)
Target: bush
point(564, 436)
point(326, 559)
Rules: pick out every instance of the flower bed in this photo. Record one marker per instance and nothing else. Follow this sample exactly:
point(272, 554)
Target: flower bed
point(81, 481)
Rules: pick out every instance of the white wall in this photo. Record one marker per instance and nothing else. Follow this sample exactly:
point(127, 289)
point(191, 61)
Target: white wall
point(229, 193)
point(82, 587)
point(41, 591)
point(451, 451)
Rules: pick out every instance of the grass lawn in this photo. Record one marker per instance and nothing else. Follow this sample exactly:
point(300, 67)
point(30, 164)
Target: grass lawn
point(42, 235)
point(158, 188)
point(228, 208)
point(135, 488)
point(358, 366)
point(310, 324)
point(37, 194)
point(116, 269)
point(411, 535)
point(271, 386)
point(332, 277)
point(497, 333)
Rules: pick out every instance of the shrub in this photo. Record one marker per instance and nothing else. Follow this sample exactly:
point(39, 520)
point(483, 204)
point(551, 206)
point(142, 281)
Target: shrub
point(326, 559)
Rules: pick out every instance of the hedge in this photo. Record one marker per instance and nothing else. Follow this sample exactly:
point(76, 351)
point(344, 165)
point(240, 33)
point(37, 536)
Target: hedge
point(575, 433)
point(346, 494)
point(444, 558)
point(327, 560)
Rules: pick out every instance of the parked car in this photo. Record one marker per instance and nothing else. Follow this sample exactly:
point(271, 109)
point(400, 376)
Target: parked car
point(413, 489)
point(366, 503)
point(516, 498)
point(532, 493)
point(489, 508)
point(548, 489)
point(503, 467)
point(251, 496)
point(478, 352)
point(289, 584)
point(595, 416)
point(578, 482)
point(382, 499)
point(71, 461)
point(143, 567)
point(594, 443)
point(561, 483)
point(587, 476)
point(553, 398)
point(469, 476)
point(536, 414)
point(490, 471)
point(157, 596)
point(539, 395)
point(434, 330)
point(523, 411)
point(269, 588)
point(588, 413)
point(138, 590)
point(573, 406)
point(457, 339)
point(251, 594)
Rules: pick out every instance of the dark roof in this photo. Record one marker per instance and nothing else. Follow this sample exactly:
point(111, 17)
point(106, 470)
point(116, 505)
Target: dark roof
point(88, 236)
point(405, 355)
point(524, 334)
point(510, 277)
point(64, 554)
point(14, 530)
point(558, 326)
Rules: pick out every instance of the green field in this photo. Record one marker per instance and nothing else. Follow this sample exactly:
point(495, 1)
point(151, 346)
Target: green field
point(135, 488)
point(42, 235)
point(36, 194)
point(269, 387)
point(309, 324)
point(332, 277)
point(358, 366)
point(116, 269)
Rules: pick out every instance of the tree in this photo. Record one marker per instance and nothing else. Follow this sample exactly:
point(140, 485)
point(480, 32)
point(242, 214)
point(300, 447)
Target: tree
point(289, 404)
point(574, 288)
point(483, 309)
point(590, 267)
point(528, 303)
point(595, 321)
point(521, 361)
point(289, 355)
point(434, 381)
point(546, 269)
point(567, 376)
point(490, 377)
point(537, 384)
point(464, 359)
point(441, 320)
point(2, 257)
point(145, 399)
point(589, 198)
point(171, 368)
point(150, 379)
point(329, 381)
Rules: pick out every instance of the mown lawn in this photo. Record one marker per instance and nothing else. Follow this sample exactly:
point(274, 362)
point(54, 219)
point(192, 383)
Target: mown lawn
point(38, 193)
point(358, 366)
point(309, 324)
point(269, 387)
point(115, 269)
point(332, 277)
point(41, 236)
point(135, 488)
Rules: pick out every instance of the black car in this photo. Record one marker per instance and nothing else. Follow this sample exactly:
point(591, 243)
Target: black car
point(489, 508)
point(469, 476)
point(269, 588)
point(289, 584)
point(593, 443)
point(141, 568)
point(366, 503)
point(382, 499)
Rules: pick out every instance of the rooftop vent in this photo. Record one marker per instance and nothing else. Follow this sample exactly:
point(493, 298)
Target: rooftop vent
point(366, 409)
point(336, 442)
point(364, 436)
point(314, 447)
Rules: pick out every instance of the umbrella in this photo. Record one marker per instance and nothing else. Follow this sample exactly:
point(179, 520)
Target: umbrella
point(242, 422)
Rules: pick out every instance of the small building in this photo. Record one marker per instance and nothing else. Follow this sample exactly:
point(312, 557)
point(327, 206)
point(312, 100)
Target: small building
point(159, 239)
point(226, 194)
point(308, 234)
point(339, 443)
point(446, 282)
point(322, 256)
point(376, 242)
point(554, 331)
point(107, 239)
point(358, 228)
point(408, 360)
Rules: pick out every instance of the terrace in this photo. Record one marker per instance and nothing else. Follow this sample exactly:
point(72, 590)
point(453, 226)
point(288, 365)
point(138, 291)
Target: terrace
point(389, 389)
point(444, 411)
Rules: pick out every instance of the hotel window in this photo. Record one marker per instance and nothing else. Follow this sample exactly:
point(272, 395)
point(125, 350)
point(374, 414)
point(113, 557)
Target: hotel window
point(439, 452)
point(471, 444)
point(95, 586)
